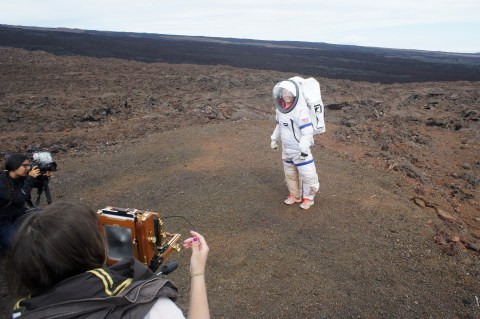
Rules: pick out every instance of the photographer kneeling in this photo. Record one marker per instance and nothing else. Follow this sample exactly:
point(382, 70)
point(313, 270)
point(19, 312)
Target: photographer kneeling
point(56, 263)
point(16, 183)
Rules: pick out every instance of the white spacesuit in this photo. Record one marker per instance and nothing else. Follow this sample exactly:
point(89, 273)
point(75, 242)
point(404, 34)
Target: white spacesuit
point(294, 129)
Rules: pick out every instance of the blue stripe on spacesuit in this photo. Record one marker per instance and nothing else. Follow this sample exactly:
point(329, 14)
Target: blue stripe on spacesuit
point(300, 164)
point(306, 125)
point(304, 163)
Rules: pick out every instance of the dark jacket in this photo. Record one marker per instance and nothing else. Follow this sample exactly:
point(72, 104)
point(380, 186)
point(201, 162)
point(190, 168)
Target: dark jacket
point(38, 182)
point(13, 194)
point(126, 290)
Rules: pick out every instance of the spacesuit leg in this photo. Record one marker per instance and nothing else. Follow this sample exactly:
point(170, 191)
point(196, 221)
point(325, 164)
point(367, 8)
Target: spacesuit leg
point(309, 179)
point(292, 178)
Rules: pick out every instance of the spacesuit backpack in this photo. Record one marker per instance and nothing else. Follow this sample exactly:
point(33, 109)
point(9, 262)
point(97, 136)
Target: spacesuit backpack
point(311, 92)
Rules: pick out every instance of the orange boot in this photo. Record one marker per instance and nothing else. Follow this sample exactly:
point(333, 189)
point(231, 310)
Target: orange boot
point(306, 203)
point(291, 199)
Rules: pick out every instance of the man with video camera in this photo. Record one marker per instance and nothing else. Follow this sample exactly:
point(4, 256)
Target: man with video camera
point(16, 183)
point(46, 164)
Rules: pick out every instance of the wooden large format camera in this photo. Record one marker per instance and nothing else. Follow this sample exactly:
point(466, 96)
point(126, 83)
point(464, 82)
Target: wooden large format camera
point(135, 233)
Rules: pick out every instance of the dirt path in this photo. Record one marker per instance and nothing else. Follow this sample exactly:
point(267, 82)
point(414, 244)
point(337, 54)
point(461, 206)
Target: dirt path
point(364, 250)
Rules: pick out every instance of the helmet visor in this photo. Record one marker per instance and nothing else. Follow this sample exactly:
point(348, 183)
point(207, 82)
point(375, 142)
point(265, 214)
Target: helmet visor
point(285, 96)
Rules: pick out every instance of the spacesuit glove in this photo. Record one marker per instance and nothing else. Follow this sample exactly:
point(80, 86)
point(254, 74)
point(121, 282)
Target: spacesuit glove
point(274, 145)
point(302, 156)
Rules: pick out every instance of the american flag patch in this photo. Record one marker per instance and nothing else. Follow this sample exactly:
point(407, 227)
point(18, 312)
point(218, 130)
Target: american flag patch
point(306, 120)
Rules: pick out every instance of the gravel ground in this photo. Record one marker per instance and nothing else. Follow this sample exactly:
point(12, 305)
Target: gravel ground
point(395, 229)
point(364, 250)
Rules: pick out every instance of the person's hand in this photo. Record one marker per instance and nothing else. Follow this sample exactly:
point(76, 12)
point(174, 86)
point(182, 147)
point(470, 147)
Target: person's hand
point(274, 145)
point(200, 249)
point(34, 172)
point(303, 156)
point(198, 292)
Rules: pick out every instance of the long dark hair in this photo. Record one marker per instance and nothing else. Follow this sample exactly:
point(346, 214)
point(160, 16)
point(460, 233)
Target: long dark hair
point(53, 244)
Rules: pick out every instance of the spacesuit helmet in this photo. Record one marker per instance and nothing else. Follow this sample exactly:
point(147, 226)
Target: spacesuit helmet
point(285, 96)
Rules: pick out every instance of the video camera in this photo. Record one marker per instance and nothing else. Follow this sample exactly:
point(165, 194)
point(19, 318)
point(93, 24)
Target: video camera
point(135, 233)
point(44, 161)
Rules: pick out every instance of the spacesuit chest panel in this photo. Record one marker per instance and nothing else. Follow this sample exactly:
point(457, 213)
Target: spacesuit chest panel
point(288, 128)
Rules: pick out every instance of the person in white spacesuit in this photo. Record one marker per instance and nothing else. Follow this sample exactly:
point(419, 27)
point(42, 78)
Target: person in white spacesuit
point(295, 130)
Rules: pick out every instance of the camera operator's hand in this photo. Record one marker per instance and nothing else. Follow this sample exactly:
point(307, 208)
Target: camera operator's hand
point(198, 308)
point(199, 253)
point(34, 172)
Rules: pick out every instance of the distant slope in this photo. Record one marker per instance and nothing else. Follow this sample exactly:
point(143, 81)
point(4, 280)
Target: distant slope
point(305, 58)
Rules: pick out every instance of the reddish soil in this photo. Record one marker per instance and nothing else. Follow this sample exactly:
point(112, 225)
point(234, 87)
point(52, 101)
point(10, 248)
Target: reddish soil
point(395, 229)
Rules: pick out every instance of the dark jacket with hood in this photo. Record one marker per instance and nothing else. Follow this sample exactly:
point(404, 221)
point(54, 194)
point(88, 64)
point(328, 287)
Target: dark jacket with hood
point(126, 290)
point(13, 195)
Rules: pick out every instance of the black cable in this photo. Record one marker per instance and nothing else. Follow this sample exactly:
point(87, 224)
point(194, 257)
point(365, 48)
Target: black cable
point(182, 217)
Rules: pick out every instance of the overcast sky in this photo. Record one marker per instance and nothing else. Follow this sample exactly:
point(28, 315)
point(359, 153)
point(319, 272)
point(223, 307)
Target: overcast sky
point(435, 25)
